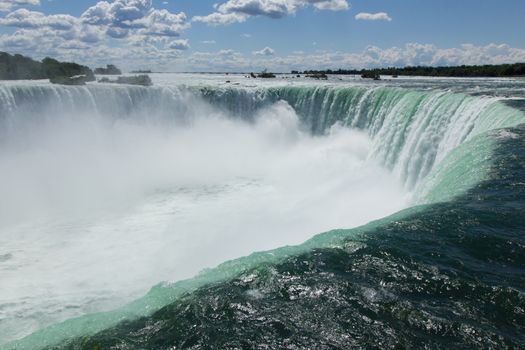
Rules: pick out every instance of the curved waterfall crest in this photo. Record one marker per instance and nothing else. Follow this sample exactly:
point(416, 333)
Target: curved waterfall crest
point(412, 130)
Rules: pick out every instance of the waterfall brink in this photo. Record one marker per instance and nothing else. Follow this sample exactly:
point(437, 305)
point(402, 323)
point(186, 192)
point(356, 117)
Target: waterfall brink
point(412, 131)
point(32, 103)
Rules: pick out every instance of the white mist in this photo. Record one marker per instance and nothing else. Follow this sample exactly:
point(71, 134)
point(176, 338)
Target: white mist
point(94, 211)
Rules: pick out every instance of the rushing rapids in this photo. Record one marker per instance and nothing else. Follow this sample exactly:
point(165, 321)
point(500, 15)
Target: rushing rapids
point(449, 150)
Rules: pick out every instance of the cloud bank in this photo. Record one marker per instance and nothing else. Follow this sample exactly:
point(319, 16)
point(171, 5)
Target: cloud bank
point(412, 54)
point(107, 30)
point(134, 34)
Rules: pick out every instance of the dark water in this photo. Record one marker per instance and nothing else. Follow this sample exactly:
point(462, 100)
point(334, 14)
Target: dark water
point(448, 276)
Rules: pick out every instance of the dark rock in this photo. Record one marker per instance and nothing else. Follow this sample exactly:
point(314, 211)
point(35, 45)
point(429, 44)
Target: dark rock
point(143, 80)
point(76, 80)
point(317, 76)
point(371, 75)
point(265, 75)
point(109, 70)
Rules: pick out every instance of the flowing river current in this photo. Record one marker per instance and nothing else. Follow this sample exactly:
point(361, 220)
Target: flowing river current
point(190, 214)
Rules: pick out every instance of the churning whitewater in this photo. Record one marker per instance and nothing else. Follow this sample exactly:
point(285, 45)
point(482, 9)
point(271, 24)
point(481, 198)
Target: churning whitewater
point(108, 190)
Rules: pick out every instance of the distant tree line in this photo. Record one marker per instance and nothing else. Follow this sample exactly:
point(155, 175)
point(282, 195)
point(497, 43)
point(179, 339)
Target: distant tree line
point(15, 67)
point(502, 70)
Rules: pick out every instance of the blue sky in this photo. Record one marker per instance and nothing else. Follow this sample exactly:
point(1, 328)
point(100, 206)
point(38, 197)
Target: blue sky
point(245, 35)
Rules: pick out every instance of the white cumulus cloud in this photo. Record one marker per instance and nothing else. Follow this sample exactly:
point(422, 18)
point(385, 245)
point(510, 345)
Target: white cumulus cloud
point(217, 18)
point(23, 18)
point(334, 5)
point(380, 16)
point(181, 44)
point(7, 5)
point(108, 30)
point(236, 11)
point(267, 51)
